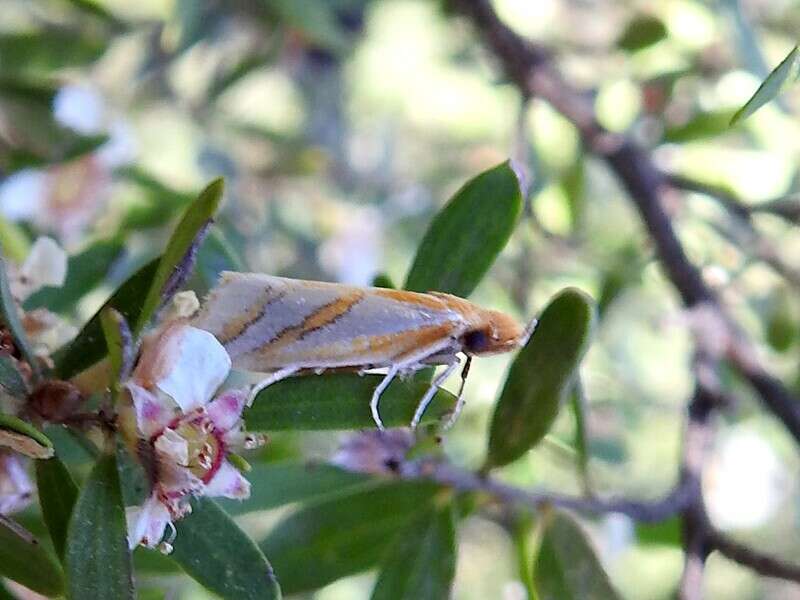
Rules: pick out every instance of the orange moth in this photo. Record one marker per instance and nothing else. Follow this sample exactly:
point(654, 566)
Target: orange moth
point(286, 326)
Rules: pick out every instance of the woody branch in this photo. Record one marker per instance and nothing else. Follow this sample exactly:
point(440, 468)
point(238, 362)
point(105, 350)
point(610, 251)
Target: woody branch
point(529, 67)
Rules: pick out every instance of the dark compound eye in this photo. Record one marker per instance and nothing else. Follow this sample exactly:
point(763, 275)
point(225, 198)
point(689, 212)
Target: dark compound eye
point(476, 341)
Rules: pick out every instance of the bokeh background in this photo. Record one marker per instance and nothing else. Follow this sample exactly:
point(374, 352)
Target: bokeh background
point(342, 126)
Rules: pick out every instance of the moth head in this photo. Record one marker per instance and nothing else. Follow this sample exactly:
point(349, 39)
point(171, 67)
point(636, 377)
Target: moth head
point(494, 334)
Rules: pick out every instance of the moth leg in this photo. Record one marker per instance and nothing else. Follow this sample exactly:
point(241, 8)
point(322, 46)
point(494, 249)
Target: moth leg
point(376, 396)
point(432, 389)
point(273, 378)
point(461, 400)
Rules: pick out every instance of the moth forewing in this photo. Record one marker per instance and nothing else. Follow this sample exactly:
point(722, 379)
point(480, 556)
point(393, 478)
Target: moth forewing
point(281, 326)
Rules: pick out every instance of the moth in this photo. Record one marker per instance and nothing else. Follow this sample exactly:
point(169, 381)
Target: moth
point(288, 326)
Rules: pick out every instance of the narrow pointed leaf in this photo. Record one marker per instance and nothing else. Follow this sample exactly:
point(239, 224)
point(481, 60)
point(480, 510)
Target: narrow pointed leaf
point(277, 484)
point(11, 380)
point(769, 89)
point(325, 541)
point(567, 567)
point(9, 318)
point(540, 377)
point(57, 496)
point(24, 438)
point(89, 345)
point(467, 235)
point(421, 563)
point(97, 558)
point(217, 554)
point(178, 258)
point(26, 561)
point(118, 342)
point(340, 401)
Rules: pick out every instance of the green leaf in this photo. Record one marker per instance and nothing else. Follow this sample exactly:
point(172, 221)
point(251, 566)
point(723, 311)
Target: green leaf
point(701, 126)
point(316, 20)
point(640, 32)
point(785, 72)
point(97, 559)
point(48, 50)
point(665, 533)
point(421, 563)
point(14, 244)
point(11, 380)
point(382, 280)
point(23, 559)
point(277, 484)
point(340, 401)
point(467, 235)
point(581, 443)
point(89, 346)
point(86, 270)
point(119, 344)
point(217, 554)
point(567, 567)
point(328, 540)
point(24, 438)
point(540, 377)
point(781, 323)
point(176, 262)
point(10, 319)
point(57, 496)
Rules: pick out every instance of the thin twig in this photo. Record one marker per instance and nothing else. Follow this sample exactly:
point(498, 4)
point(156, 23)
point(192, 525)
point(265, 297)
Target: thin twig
point(759, 562)
point(463, 480)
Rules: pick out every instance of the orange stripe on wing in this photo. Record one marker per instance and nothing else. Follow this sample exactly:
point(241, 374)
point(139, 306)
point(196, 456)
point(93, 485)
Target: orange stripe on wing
point(413, 298)
point(413, 342)
point(322, 317)
point(239, 325)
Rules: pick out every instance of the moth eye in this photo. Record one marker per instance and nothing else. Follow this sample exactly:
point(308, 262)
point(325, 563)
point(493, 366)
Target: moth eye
point(476, 341)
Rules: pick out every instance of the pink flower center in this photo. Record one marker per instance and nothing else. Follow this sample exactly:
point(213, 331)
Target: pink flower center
point(206, 448)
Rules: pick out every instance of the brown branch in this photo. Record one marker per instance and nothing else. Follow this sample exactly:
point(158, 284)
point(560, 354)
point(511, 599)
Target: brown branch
point(785, 207)
point(757, 561)
point(528, 66)
point(746, 234)
point(644, 511)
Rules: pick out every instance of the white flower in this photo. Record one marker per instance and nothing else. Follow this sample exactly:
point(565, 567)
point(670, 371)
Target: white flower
point(64, 199)
point(187, 434)
point(45, 265)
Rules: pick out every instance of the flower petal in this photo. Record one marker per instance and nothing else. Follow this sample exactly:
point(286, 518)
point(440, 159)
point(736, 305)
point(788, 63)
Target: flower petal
point(228, 482)
point(184, 362)
point(146, 523)
point(152, 415)
point(226, 410)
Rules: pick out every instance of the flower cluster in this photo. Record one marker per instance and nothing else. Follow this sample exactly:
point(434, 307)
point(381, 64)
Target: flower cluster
point(182, 435)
